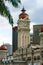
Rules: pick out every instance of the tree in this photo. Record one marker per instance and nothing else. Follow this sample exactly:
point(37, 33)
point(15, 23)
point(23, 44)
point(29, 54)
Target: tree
point(4, 10)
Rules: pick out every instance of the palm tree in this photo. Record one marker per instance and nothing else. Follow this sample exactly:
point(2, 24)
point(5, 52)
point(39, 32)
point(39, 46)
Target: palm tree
point(4, 10)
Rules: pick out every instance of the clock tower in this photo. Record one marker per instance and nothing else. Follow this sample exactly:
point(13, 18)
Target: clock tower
point(23, 29)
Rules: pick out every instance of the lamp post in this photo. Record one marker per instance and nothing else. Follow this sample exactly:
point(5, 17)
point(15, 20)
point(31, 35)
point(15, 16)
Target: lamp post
point(32, 56)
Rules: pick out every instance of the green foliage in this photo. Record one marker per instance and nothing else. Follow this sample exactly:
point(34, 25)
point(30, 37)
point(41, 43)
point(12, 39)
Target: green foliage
point(4, 10)
point(15, 2)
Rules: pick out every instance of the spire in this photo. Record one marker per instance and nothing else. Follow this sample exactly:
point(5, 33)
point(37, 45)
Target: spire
point(23, 10)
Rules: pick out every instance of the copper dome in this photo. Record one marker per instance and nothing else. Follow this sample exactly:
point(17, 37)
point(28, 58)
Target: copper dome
point(23, 14)
point(3, 47)
point(15, 28)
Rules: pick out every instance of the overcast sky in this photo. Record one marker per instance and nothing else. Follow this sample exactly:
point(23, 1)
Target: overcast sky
point(34, 8)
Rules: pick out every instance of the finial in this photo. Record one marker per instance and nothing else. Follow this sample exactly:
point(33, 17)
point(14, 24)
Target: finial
point(23, 10)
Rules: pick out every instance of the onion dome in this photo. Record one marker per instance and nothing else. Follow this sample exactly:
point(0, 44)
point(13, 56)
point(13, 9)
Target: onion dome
point(3, 47)
point(41, 28)
point(23, 14)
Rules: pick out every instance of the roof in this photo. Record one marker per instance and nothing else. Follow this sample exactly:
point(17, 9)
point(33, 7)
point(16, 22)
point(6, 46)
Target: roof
point(3, 47)
point(23, 14)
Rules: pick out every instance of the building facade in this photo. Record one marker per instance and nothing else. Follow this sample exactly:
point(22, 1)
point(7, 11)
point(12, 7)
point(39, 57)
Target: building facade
point(29, 49)
point(36, 33)
point(23, 29)
point(3, 52)
point(14, 39)
point(29, 55)
point(41, 44)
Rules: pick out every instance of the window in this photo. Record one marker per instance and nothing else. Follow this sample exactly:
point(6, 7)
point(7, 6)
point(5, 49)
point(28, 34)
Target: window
point(42, 55)
point(38, 57)
point(29, 58)
point(41, 51)
point(35, 58)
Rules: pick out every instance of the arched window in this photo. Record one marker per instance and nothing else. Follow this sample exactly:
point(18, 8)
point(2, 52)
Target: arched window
point(29, 58)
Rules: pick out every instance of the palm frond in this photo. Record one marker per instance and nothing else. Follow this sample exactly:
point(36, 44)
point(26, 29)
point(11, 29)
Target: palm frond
point(15, 2)
point(5, 12)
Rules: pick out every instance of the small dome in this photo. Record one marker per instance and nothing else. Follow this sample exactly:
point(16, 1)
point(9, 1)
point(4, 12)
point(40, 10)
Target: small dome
point(23, 14)
point(41, 28)
point(15, 28)
point(3, 47)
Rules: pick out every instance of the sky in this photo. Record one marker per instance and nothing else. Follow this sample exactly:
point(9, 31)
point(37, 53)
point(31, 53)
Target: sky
point(34, 8)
